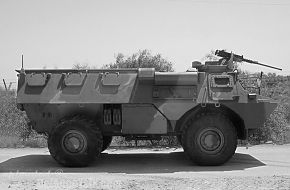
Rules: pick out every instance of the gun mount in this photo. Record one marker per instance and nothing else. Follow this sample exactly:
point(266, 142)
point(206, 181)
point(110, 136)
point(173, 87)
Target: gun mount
point(227, 63)
point(230, 57)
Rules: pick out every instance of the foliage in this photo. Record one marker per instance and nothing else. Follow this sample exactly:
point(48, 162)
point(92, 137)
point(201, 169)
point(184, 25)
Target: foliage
point(14, 128)
point(141, 59)
point(276, 127)
point(210, 56)
point(170, 141)
point(35, 140)
point(13, 122)
point(81, 66)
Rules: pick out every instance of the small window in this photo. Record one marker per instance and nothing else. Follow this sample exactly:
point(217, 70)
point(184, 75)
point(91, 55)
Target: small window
point(222, 81)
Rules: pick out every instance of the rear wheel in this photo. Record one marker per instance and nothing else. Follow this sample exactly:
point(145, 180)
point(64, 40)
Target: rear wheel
point(75, 142)
point(209, 139)
point(106, 142)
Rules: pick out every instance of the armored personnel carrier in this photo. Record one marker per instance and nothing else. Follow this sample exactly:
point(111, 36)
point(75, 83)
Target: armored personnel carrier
point(81, 110)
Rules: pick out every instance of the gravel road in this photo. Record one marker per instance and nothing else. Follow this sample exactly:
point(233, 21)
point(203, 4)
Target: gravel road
point(259, 167)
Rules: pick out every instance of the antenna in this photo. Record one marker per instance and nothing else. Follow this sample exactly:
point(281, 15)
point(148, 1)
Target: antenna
point(22, 68)
point(22, 61)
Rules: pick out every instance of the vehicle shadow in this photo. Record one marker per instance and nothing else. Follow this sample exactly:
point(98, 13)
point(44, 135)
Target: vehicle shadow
point(138, 163)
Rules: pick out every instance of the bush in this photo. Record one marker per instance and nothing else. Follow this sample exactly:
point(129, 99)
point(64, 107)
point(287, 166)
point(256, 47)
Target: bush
point(10, 142)
point(275, 128)
point(35, 140)
point(165, 141)
point(14, 129)
point(13, 122)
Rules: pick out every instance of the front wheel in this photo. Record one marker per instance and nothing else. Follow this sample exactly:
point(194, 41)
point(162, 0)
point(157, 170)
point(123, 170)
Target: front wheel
point(75, 142)
point(209, 139)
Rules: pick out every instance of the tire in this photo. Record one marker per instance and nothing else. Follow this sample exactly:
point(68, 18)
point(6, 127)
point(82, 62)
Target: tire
point(209, 139)
point(106, 142)
point(75, 142)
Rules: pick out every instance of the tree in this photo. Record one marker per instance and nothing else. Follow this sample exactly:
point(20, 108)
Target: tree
point(81, 66)
point(141, 59)
point(210, 56)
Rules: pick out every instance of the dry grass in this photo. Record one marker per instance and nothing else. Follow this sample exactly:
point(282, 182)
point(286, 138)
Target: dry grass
point(38, 141)
point(9, 142)
point(35, 140)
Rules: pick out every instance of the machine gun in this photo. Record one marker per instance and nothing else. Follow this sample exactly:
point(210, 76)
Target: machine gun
point(230, 58)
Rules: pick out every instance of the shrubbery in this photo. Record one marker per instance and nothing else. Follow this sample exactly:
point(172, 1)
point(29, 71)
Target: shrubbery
point(13, 123)
point(166, 141)
point(14, 129)
point(275, 128)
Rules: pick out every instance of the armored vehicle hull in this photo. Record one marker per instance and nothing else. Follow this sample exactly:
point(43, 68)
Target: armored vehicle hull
point(81, 110)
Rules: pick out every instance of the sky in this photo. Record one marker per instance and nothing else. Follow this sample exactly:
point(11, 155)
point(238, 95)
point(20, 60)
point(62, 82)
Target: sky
point(61, 33)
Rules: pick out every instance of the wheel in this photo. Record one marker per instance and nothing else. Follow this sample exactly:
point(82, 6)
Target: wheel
point(75, 142)
point(106, 142)
point(209, 139)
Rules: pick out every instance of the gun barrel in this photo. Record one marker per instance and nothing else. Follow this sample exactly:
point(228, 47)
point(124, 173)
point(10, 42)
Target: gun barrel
point(257, 63)
point(240, 58)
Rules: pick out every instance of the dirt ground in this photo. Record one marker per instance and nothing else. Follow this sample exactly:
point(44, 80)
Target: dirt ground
point(259, 167)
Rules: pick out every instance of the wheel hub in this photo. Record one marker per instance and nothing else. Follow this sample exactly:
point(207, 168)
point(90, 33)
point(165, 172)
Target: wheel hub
point(74, 141)
point(211, 140)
